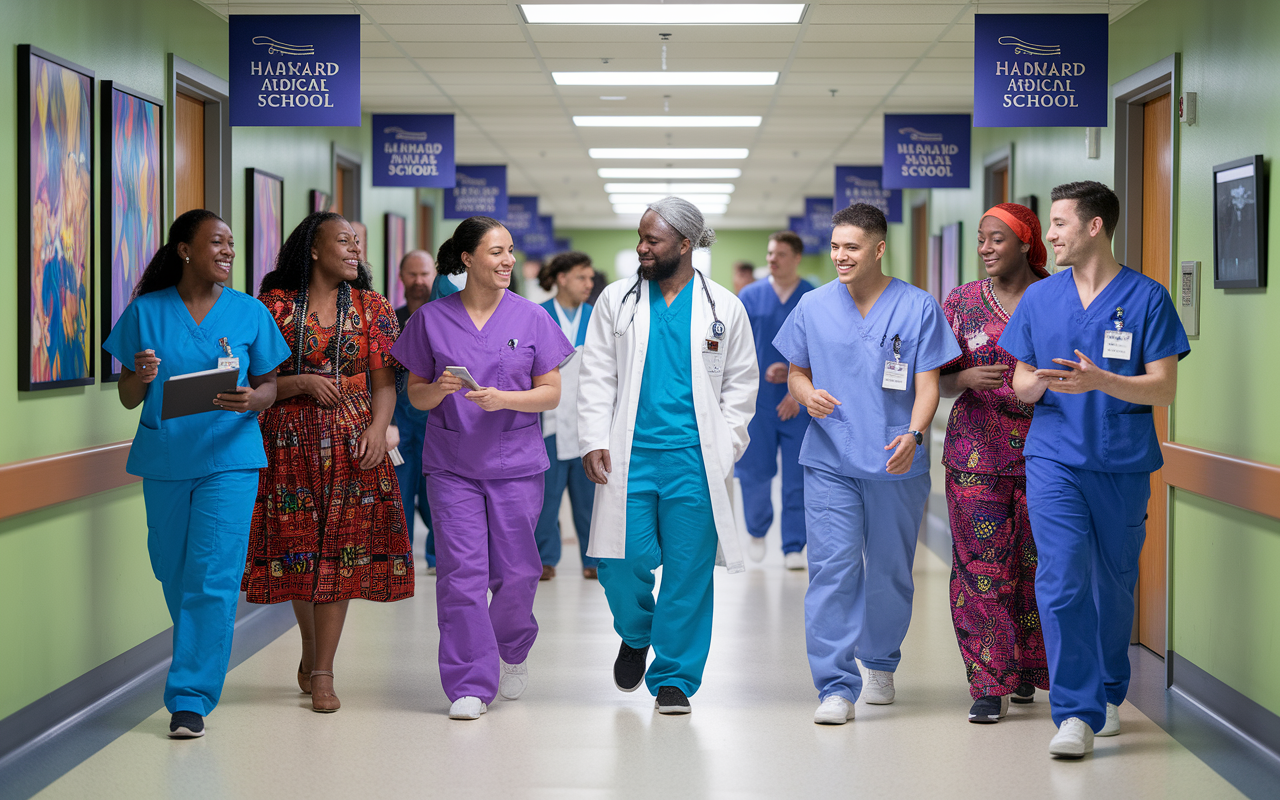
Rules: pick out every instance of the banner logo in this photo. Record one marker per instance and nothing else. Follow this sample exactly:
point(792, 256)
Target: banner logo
point(916, 136)
point(283, 49)
point(1027, 48)
point(406, 136)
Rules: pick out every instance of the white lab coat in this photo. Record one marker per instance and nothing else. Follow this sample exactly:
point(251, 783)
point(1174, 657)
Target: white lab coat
point(562, 421)
point(609, 392)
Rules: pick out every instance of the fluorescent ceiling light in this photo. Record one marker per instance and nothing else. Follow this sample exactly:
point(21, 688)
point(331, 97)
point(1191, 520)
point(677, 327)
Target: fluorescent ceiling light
point(665, 78)
point(670, 188)
point(649, 14)
point(696, 199)
point(667, 122)
point(668, 152)
point(613, 97)
point(640, 208)
point(669, 173)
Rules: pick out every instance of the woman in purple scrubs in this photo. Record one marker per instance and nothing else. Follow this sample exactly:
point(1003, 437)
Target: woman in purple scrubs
point(484, 460)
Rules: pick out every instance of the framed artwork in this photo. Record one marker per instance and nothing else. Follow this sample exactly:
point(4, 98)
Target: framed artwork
point(393, 224)
point(1239, 224)
point(264, 207)
point(320, 201)
point(55, 221)
point(132, 199)
point(949, 274)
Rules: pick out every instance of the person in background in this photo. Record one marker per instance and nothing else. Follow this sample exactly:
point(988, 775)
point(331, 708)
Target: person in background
point(778, 423)
point(598, 282)
point(993, 557)
point(199, 472)
point(329, 525)
point(484, 460)
point(744, 274)
point(528, 287)
point(417, 274)
point(570, 275)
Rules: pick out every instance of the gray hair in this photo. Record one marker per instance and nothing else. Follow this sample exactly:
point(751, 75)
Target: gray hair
point(686, 219)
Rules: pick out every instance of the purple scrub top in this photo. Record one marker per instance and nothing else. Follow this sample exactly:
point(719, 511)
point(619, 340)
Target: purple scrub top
point(518, 342)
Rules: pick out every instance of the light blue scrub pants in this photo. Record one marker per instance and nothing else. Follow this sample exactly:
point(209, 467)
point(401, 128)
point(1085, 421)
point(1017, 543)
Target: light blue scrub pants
point(197, 535)
point(568, 473)
point(862, 544)
point(759, 464)
point(669, 525)
point(1089, 528)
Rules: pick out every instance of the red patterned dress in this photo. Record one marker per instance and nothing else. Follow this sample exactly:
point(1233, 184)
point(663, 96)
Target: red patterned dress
point(323, 529)
point(993, 599)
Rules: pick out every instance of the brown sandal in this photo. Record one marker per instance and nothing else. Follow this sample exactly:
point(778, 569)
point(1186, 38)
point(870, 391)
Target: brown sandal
point(324, 702)
point(304, 680)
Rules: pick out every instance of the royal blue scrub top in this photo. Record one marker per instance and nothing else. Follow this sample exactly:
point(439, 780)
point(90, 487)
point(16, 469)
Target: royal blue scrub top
point(1094, 430)
point(767, 314)
point(846, 354)
point(197, 445)
point(664, 418)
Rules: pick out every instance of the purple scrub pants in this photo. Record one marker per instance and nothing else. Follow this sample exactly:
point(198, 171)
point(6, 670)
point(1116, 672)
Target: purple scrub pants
point(484, 542)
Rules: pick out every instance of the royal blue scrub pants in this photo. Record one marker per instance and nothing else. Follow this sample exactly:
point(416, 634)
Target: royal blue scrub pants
point(197, 535)
point(568, 473)
point(413, 484)
point(759, 464)
point(669, 525)
point(1088, 528)
point(862, 544)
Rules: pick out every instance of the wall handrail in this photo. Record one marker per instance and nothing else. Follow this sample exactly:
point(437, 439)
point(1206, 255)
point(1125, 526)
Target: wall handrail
point(1251, 485)
point(41, 482)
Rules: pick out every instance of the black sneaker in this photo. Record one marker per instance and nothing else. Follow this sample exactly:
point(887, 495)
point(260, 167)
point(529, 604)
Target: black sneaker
point(988, 710)
point(186, 725)
point(671, 701)
point(628, 668)
point(1025, 693)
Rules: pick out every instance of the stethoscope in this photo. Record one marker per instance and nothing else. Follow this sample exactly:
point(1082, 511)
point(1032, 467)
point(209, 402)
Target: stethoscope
point(717, 327)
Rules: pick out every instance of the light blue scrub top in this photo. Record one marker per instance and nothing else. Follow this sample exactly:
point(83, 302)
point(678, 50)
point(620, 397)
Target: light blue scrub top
point(665, 418)
point(1094, 431)
point(197, 445)
point(846, 353)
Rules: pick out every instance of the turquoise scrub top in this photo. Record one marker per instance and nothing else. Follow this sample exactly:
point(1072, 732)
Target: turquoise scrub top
point(194, 446)
point(1094, 430)
point(665, 419)
point(846, 353)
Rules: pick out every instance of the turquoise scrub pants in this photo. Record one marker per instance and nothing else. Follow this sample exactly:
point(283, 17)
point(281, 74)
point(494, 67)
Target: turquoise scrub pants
point(669, 525)
point(197, 535)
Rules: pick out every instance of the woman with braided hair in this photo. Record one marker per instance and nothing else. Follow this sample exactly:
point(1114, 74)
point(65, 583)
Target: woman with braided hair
point(329, 524)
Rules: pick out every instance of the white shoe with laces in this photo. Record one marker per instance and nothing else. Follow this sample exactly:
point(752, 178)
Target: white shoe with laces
point(467, 708)
point(795, 560)
point(878, 688)
point(514, 680)
point(835, 710)
point(1074, 739)
point(756, 548)
point(1112, 728)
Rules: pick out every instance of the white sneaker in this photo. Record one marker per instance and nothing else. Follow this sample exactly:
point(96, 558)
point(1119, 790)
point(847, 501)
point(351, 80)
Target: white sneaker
point(878, 688)
point(514, 680)
point(1113, 721)
point(431, 570)
point(835, 710)
point(1074, 739)
point(467, 708)
point(795, 560)
point(756, 548)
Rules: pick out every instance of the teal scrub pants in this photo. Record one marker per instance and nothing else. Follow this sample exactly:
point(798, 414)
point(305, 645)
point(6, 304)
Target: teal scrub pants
point(669, 525)
point(197, 535)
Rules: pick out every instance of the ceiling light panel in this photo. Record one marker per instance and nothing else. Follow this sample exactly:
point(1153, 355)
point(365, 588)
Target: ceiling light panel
point(669, 188)
point(667, 122)
point(640, 208)
point(665, 78)
point(696, 199)
point(669, 173)
point(649, 14)
point(669, 152)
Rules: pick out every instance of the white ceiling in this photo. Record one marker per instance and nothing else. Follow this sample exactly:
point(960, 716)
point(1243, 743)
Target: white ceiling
point(482, 62)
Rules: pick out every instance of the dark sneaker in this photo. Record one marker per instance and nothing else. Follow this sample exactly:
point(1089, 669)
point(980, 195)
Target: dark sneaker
point(628, 668)
point(1025, 693)
point(988, 710)
point(671, 701)
point(186, 725)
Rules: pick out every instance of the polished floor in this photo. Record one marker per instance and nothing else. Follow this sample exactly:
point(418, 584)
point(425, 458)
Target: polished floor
point(573, 735)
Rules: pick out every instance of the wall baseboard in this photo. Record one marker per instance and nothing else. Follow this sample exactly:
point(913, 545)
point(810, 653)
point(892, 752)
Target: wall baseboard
point(1252, 720)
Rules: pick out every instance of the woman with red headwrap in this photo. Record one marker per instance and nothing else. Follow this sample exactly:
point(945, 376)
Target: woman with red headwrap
point(993, 601)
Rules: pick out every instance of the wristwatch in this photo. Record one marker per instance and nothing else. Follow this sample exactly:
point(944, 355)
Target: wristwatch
point(919, 437)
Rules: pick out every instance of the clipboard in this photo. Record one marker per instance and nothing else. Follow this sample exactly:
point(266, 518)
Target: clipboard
point(194, 392)
point(464, 375)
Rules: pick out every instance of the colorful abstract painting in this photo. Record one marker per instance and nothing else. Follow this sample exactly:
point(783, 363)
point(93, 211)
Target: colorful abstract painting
point(56, 221)
point(320, 201)
point(132, 209)
point(265, 208)
point(395, 250)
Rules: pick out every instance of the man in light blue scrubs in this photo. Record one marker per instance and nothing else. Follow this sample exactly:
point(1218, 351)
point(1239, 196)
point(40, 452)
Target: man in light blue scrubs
point(865, 353)
point(1116, 339)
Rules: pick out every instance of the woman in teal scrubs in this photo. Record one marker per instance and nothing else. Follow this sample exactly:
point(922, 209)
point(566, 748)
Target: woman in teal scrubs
point(199, 472)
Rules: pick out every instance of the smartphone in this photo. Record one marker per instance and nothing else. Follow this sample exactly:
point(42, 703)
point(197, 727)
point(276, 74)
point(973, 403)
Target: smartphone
point(464, 375)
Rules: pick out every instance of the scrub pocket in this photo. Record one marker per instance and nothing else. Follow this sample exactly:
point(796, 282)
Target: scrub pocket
point(892, 432)
point(516, 364)
point(522, 449)
point(149, 454)
point(1135, 536)
point(1127, 433)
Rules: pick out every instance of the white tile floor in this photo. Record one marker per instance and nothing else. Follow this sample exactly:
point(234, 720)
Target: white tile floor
point(573, 735)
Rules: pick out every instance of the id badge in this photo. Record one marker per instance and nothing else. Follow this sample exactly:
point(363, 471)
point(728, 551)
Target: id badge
point(713, 357)
point(229, 363)
point(1118, 344)
point(895, 375)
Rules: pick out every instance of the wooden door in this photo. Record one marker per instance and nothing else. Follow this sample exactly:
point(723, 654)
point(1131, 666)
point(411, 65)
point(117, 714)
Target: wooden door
point(1157, 178)
point(920, 245)
point(188, 155)
point(339, 191)
point(426, 232)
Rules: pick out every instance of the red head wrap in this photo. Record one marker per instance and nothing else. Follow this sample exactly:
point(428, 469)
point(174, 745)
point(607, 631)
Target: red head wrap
point(1026, 226)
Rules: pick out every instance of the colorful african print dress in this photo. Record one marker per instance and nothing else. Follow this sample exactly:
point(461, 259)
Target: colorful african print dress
point(993, 599)
point(323, 529)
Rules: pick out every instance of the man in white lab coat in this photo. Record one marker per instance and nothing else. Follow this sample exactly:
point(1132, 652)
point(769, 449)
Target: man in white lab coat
point(667, 389)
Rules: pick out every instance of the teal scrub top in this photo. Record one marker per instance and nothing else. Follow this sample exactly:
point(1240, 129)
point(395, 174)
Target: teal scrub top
point(198, 445)
point(665, 419)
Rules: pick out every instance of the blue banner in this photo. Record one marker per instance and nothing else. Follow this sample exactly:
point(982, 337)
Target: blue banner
point(522, 217)
point(926, 151)
point(294, 69)
point(413, 150)
point(480, 190)
point(539, 241)
point(862, 185)
point(812, 241)
point(1040, 70)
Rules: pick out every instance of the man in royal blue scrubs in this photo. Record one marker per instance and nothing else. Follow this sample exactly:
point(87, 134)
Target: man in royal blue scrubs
point(1115, 337)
